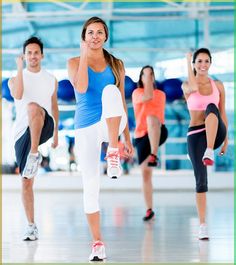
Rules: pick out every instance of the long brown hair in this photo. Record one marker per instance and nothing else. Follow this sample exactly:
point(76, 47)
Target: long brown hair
point(140, 82)
point(116, 64)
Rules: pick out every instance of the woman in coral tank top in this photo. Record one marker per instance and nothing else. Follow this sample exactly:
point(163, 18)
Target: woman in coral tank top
point(208, 124)
point(150, 132)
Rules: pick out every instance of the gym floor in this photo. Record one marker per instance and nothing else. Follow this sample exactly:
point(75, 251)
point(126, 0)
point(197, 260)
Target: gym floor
point(171, 237)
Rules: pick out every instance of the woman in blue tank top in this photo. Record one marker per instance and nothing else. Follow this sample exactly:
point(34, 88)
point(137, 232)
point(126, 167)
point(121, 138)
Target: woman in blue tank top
point(101, 116)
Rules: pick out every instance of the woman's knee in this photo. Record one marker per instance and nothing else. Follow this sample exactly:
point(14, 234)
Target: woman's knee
point(153, 121)
point(111, 91)
point(110, 87)
point(201, 183)
point(111, 97)
point(112, 104)
point(211, 108)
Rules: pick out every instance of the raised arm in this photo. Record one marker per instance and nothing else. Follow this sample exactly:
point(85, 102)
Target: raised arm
point(148, 85)
point(78, 69)
point(191, 85)
point(16, 83)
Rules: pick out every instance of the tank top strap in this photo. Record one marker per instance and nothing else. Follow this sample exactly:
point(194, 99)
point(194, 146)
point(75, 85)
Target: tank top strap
point(214, 86)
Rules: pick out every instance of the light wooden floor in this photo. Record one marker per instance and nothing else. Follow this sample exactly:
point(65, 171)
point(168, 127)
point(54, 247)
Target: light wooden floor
point(171, 237)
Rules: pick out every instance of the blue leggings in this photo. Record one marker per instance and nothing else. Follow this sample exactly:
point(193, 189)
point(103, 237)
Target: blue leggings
point(197, 145)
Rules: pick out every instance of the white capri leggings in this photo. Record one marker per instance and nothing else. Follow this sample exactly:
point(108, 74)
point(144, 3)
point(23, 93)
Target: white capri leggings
point(88, 143)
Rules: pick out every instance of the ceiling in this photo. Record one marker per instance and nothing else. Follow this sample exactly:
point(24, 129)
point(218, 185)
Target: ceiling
point(140, 32)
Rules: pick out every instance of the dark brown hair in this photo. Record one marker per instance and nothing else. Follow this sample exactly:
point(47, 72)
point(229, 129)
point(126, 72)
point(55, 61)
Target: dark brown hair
point(197, 52)
point(140, 82)
point(33, 40)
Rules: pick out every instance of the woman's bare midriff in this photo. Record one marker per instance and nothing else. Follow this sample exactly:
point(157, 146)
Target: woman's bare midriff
point(197, 117)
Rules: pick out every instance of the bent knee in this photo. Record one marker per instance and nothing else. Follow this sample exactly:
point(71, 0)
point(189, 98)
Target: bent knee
point(212, 108)
point(27, 184)
point(111, 87)
point(33, 106)
point(34, 109)
point(111, 91)
point(153, 121)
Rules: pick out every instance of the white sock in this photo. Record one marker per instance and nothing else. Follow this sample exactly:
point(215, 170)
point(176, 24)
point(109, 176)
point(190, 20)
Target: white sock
point(112, 149)
point(34, 154)
point(209, 150)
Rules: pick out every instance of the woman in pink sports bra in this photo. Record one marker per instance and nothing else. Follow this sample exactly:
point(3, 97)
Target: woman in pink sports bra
point(208, 124)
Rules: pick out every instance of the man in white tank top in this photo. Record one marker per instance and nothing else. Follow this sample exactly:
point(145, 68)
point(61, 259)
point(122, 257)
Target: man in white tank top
point(35, 95)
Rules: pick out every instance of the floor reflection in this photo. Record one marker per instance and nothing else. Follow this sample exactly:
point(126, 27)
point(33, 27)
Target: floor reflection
point(171, 237)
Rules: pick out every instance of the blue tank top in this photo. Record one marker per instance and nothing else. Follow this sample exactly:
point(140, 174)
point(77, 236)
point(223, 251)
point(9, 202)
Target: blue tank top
point(89, 105)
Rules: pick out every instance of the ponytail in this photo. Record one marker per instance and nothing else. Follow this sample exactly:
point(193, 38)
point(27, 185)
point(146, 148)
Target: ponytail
point(116, 65)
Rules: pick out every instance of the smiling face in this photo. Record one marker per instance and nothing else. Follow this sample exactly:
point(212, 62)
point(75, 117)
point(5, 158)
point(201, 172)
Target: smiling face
point(33, 56)
point(95, 35)
point(202, 63)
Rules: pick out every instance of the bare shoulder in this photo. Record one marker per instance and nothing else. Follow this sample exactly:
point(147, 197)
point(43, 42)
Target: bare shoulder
point(219, 84)
point(73, 61)
point(185, 84)
point(220, 87)
point(185, 87)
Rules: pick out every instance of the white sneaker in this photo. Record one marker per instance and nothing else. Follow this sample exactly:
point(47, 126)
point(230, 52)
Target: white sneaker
point(31, 233)
point(113, 163)
point(98, 252)
point(203, 234)
point(31, 166)
point(208, 157)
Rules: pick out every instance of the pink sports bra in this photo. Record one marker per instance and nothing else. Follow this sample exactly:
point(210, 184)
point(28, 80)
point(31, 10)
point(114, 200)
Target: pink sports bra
point(196, 101)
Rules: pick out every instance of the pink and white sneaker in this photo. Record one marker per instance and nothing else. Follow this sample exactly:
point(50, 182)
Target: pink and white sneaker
point(208, 157)
point(98, 251)
point(113, 163)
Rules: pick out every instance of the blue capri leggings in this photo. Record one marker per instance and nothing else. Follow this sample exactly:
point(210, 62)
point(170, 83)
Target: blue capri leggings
point(197, 144)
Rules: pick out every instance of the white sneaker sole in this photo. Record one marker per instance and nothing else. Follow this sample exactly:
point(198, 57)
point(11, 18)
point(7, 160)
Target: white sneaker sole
point(203, 238)
point(97, 257)
point(113, 176)
point(30, 238)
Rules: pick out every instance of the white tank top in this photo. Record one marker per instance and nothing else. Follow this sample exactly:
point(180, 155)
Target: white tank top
point(39, 88)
